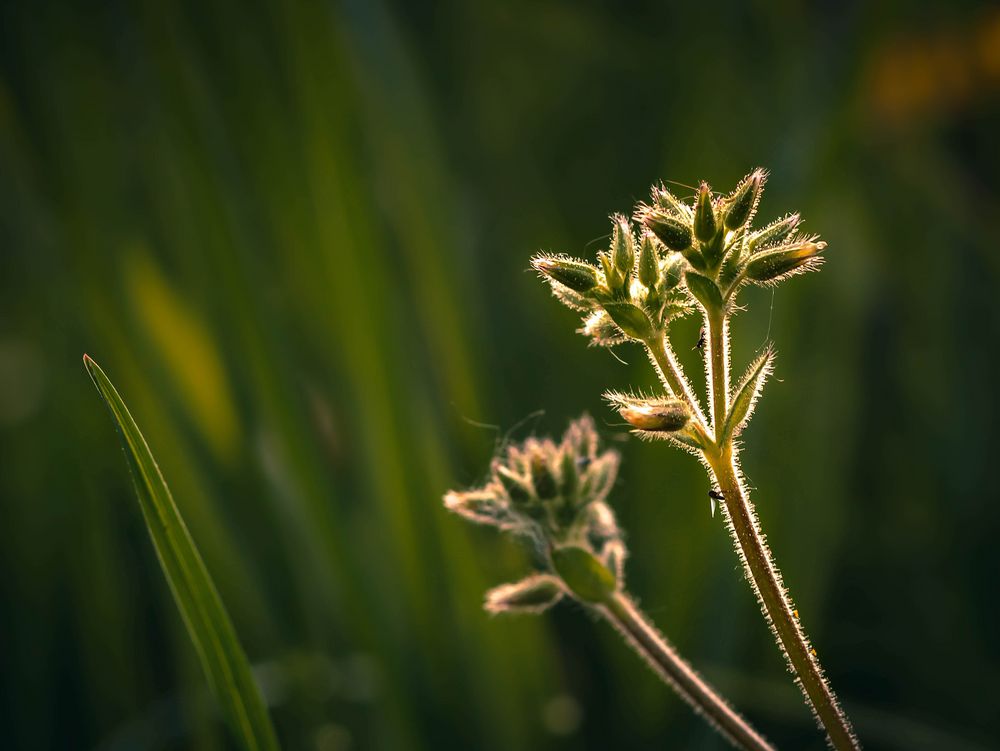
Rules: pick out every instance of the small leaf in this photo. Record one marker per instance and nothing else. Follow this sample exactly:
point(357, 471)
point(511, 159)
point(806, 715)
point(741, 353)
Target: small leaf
point(534, 594)
point(630, 319)
point(222, 657)
point(746, 396)
point(705, 290)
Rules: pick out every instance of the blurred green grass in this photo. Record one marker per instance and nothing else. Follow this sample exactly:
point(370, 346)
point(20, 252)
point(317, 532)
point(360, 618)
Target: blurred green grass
point(307, 224)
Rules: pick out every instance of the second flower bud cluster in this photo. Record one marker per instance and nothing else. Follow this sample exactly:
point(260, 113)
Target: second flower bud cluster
point(555, 495)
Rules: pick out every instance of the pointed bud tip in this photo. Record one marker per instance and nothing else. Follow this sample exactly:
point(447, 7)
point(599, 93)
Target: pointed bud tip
point(577, 275)
point(704, 215)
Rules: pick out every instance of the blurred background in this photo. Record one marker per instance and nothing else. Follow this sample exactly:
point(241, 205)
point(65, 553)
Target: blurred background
point(296, 235)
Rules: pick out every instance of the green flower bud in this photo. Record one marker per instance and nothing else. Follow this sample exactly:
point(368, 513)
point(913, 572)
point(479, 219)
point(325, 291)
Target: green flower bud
point(614, 278)
point(705, 290)
point(772, 265)
point(648, 261)
point(631, 319)
point(659, 415)
point(704, 215)
point(773, 233)
point(743, 201)
point(673, 272)
point(569, 475)
point(542, 478)
point(515, 487)
point(531, 595)
point(599, 478)
point(480, 506)
point(586, 577)
point(623, 247)
point(672, 233)
point(613, 556)
point(667, 201)
point(577, 275)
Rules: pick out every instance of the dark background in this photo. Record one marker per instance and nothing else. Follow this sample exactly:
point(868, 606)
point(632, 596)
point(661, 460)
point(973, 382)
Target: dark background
point(296, 235)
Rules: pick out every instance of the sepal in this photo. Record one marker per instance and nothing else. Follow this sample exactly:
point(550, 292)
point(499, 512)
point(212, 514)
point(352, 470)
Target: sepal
point(534, 594)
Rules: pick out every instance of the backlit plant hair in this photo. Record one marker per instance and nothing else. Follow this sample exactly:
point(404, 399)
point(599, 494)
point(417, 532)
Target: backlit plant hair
point(554, 497)
point(696, 256)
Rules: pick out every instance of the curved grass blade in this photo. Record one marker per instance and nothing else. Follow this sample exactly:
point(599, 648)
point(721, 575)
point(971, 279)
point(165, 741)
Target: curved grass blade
point(221, 654)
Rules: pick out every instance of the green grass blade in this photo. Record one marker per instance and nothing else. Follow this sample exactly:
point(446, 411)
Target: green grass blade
point(221, 654)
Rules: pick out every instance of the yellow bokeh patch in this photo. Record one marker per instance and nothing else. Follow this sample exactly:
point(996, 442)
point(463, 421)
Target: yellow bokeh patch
point(187, 350)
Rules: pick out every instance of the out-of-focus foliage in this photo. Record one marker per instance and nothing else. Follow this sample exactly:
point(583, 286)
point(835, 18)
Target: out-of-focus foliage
point(298, 233)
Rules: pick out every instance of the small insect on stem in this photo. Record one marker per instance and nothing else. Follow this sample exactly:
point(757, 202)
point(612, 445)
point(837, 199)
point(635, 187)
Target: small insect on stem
point(700, 344)
point(715, 496)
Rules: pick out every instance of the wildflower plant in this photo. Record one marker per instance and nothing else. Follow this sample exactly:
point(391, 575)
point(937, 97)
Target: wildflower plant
point(696, 256)
point(554, 497)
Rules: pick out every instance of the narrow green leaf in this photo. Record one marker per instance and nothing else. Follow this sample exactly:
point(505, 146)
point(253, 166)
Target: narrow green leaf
point(630, 318)
point(747, 394)
point(221, 654)
point(705, 290)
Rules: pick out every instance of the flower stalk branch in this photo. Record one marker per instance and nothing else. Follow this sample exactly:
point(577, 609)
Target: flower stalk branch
point(774, 601)
point(644, 638)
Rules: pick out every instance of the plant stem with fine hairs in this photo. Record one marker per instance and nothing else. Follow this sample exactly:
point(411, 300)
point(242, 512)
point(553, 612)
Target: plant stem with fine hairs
point(696, 255)
point(757, 560)
point(623, 613)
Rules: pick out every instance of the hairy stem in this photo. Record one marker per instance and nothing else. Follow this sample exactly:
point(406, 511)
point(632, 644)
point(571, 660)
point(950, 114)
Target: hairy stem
point(718, 367)
point(760, 568)
point(678, 674)
point(672, 375)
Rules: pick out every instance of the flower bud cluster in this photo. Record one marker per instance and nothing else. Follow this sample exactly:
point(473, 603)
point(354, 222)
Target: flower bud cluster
point(555, 496)
point(700, 251)
point(633, 293)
